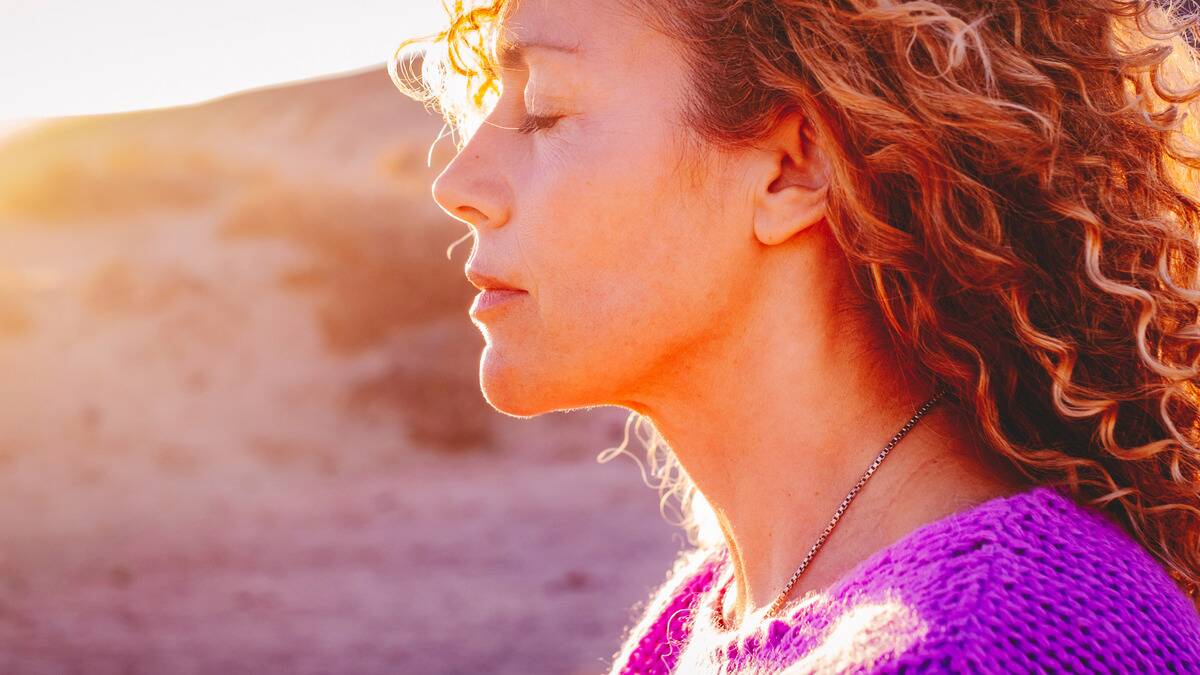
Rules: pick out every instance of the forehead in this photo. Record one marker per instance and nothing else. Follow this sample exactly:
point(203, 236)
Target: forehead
point(560, 28)
point(544, 18)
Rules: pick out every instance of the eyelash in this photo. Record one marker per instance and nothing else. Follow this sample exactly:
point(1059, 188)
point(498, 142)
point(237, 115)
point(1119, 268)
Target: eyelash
point(533, 123)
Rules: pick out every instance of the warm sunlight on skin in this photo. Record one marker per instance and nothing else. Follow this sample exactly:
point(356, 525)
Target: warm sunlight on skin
point(636, 271)
point(709, 296)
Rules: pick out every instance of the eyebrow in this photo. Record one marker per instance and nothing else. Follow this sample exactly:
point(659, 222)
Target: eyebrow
point(511, 53)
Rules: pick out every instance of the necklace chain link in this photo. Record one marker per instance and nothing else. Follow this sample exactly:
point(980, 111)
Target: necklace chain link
point(719, 613)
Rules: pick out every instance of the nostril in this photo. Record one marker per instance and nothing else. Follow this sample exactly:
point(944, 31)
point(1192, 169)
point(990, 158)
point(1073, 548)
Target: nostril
point(470, 215)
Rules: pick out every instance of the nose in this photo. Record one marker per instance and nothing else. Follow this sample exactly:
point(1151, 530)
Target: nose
point(469, 192)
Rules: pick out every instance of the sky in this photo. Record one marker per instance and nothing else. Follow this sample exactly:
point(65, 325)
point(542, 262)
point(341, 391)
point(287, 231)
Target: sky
point(76, 58)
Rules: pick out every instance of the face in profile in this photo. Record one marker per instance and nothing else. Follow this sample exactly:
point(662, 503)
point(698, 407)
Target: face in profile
point(585, 192)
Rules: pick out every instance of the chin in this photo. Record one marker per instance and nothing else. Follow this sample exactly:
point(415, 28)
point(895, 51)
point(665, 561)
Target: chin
point(536, 386)
point(503, 401)
point(509, 389)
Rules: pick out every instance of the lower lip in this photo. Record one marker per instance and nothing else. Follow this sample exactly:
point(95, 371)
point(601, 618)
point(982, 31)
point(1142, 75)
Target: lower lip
point(493, 298)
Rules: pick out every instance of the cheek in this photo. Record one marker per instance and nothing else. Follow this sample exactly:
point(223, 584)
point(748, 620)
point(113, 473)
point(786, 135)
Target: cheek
point(623, 251)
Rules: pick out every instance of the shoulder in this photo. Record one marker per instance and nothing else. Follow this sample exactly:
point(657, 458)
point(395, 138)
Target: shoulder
point(1037, 580)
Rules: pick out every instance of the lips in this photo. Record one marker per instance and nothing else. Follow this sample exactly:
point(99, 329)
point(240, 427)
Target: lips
point(494, 291)
point(493, 298)
point(487, 282)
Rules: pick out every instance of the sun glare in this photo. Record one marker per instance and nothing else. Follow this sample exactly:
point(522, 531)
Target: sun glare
point(72, 58)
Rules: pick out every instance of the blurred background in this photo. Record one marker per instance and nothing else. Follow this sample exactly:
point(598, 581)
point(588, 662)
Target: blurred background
point(240, 422)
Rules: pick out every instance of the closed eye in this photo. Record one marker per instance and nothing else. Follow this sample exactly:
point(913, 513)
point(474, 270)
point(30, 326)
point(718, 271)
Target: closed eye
point(533, 123)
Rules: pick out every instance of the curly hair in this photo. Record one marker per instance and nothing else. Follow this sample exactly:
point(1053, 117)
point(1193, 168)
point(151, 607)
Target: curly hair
point(1015, 187)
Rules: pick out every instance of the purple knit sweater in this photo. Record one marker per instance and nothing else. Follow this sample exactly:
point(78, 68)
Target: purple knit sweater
point(1032, 581)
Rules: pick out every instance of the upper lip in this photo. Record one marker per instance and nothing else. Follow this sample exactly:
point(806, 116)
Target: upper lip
point(485, 282)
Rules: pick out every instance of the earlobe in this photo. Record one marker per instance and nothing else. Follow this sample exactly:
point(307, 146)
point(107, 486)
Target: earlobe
point(793, 196)
point(790, 212)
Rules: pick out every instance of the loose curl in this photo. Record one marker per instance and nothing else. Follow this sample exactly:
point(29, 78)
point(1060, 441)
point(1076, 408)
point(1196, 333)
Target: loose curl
point(1015, 188)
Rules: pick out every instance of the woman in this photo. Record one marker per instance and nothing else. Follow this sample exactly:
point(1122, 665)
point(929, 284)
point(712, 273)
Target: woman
point(923, 272)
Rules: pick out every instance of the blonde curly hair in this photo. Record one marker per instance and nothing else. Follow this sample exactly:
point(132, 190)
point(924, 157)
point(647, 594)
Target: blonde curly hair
point(1015, 187)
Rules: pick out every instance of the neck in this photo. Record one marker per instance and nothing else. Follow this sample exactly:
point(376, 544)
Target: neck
point(774, 431)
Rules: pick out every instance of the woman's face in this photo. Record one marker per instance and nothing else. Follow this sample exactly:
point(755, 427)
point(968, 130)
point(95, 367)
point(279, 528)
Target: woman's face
point(634, 257)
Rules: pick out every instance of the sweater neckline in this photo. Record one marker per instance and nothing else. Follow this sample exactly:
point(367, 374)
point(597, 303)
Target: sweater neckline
point(717, 570)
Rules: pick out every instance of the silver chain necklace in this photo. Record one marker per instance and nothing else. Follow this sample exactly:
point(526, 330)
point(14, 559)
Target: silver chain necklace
point(719, 610)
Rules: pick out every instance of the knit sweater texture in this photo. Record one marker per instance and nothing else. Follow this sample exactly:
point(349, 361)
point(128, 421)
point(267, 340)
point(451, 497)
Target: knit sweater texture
point(1028, 582)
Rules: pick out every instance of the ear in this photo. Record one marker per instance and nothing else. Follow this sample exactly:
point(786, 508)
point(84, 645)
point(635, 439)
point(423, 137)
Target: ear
point(792, 182)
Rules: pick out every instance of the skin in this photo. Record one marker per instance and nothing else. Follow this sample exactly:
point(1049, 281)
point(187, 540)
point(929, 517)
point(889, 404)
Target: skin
point(701, 290)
